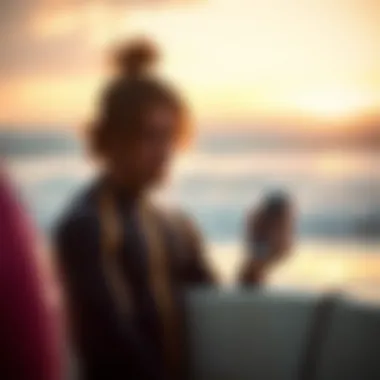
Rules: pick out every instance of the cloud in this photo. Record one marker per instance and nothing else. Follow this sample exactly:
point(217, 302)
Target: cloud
point(60, 36)
point(53, 51)
point(44, 39)
point(234, 58)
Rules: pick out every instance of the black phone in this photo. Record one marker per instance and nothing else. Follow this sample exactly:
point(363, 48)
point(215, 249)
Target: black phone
point(272, 210)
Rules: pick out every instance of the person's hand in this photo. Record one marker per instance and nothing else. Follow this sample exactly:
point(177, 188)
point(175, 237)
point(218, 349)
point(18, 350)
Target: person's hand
point(270, 237)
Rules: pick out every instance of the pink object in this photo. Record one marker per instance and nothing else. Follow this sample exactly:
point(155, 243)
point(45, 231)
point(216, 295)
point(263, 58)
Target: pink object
point(29, 324)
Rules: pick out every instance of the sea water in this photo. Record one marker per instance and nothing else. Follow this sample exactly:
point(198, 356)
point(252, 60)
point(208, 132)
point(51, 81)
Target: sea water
point(335, 190)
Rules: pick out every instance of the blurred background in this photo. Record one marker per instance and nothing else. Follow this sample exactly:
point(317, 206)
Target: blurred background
point(285, 95)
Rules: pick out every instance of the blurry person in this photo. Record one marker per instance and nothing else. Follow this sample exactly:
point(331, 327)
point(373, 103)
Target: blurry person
point(29, 323)
point(125, 261)
point(269, 235)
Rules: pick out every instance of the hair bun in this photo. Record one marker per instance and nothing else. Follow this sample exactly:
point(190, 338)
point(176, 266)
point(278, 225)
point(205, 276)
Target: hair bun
point(134, 59)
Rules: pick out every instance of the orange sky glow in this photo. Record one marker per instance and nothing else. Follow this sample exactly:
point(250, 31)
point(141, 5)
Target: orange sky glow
point(235, 59)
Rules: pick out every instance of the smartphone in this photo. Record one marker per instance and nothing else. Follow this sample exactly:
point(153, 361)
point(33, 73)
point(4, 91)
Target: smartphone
point(270, 215)
point(261, 250)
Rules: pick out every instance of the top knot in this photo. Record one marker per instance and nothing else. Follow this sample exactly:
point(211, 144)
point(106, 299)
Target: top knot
point(136, 58)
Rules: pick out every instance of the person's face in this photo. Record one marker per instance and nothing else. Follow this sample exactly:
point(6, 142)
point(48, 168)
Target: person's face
point(144, 160)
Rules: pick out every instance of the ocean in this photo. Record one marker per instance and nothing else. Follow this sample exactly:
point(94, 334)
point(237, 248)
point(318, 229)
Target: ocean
point(335, 190)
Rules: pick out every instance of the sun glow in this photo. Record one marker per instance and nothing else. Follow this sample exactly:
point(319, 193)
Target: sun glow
point(235, 59)
point(335, 104)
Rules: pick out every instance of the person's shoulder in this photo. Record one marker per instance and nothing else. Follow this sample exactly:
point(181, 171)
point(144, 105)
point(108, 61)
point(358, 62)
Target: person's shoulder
point(79, 216)
point(180, 222)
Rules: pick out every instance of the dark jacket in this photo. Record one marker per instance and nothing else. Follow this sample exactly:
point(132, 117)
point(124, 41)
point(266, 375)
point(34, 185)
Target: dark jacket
point(110, 345)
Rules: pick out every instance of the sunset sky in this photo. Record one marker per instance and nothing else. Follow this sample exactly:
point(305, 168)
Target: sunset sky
point(236, 59)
